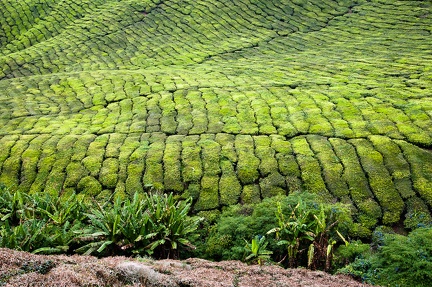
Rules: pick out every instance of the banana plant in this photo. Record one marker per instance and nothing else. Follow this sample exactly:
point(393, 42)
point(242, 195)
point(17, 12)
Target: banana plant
point(294, 230)
point(257, 250)
point(321, 249)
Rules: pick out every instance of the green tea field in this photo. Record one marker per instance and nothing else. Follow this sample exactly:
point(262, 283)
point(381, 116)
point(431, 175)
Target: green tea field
point(227, 101)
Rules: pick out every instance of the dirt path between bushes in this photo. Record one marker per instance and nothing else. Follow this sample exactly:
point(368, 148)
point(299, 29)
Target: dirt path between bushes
point(25, 269)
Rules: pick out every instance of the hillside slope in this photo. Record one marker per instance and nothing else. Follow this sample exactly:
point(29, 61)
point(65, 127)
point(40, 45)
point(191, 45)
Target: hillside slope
point(224, 101)
point(25, 269)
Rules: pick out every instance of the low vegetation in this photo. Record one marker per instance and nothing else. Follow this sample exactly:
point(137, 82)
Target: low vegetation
point(396, 260)
point(291, 231)
point(148, 224)
point(296, 230)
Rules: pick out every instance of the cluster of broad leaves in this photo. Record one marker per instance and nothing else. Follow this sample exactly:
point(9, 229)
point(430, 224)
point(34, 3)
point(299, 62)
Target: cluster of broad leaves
point(301, 230)
point(146, 224)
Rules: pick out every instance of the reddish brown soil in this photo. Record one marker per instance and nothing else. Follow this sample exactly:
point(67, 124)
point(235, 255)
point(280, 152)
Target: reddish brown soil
point(24, 269)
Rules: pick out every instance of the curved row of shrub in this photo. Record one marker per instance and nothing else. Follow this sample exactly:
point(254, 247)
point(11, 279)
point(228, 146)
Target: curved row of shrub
point(227, 102)
point(135, 103)
point(384, 180)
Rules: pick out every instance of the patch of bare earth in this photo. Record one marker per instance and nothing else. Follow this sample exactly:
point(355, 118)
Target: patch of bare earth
point(25, 269)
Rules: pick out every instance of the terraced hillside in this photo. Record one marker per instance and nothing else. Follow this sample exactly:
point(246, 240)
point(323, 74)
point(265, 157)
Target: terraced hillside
point(225, 101)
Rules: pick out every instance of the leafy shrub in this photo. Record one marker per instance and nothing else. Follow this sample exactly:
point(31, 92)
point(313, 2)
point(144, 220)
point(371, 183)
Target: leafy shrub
point(172, 225)
point(400, 261)
point(346, 254)
point(154, 224)
point(27, 236)
point(244, 222)
point(39, 223)
point(59, 209)
point(12, 207)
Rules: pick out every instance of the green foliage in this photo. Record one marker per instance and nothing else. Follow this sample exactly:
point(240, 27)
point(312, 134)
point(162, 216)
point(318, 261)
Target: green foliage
point(293, 230)
point(257, 250)
point(247, 165)
point(153, 224)
point(105, 230)
point(109, 173)
point(400, 261)
point(380, 181)
point(299, 218)
point(12, 206)
point(313, 226)
point(59, 209)
point(347, 253)
point(250, 194)
point(28, 236)
point(39, 223)
point(231, 107)
point(89, 186)
point(417, 214)
point(208, 197)
point(229, 186)
point(172, 225)
point(332, 167)
point(172, 164)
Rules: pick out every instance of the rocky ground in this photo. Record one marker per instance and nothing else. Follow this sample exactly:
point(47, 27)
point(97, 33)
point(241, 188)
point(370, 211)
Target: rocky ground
point(24, 269)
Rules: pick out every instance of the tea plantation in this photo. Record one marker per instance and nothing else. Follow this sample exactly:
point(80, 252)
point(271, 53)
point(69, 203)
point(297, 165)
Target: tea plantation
point(225, 101)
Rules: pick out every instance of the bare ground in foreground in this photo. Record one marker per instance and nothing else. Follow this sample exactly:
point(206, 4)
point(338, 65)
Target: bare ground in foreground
point(25, 269)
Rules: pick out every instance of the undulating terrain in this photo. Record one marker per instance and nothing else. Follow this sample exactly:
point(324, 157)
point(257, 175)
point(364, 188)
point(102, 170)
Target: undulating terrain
point(225, 101)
